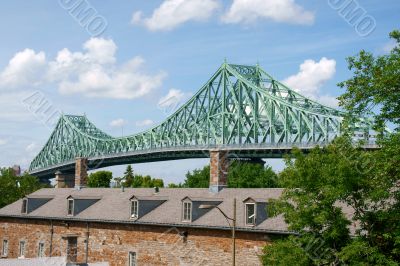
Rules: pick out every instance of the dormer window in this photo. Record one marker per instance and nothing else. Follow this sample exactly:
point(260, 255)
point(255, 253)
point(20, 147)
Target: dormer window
point(70, 206)
point(134, 209)
point(187, 211)
point(24, 209)
point(250, 214)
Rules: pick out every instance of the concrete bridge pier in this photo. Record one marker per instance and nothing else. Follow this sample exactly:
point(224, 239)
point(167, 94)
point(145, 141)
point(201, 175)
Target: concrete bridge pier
point(77, 180)
point(219, 165)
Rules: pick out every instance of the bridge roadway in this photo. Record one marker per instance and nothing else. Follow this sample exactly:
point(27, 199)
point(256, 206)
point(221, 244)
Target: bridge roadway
point(262, 150)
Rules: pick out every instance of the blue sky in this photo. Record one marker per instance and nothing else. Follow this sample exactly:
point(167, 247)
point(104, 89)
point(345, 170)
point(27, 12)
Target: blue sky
point(153, 49)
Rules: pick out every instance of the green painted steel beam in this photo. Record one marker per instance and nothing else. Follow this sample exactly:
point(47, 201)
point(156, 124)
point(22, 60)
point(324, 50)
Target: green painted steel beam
point(237, 105)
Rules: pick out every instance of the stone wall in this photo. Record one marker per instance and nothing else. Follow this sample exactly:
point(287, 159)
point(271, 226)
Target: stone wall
point(219, 164)
point(154, 245)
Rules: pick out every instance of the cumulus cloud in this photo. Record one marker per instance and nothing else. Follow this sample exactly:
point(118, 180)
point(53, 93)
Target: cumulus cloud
point(249, 11)
point(93, 72)
point(23, 69)
point(311, 77)
point(145, 123)
point(172, 13)
point(118, 122)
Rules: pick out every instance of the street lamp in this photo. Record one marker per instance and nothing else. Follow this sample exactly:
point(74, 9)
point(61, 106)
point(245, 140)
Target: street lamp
point(207, 206)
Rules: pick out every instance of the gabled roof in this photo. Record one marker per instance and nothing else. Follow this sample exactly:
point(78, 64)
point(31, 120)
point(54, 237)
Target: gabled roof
point(83, 197)
point(114, 206)
point(202, 199)
point(263, 200)
point(157, 198)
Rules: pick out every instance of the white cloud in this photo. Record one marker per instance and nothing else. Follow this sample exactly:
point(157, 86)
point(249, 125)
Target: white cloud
point(312, 75)
point(3, 142)
point(23, 69)
point(249, 11)
point(145, 123)
point(94, 72)
point(118, 122)
point(172, 13)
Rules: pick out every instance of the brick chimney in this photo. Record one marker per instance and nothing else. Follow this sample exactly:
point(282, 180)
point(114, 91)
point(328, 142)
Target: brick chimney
point(81, 175)
point(64, 180)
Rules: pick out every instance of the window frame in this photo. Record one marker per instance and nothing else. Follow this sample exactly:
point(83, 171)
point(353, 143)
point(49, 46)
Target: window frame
point(24, 207)
point(22, 249)
point(247, 214)
point(72, 208)
point(41, 250)
point(4, 248)
point(132, 258)
point(187, 211)
point(136, 214)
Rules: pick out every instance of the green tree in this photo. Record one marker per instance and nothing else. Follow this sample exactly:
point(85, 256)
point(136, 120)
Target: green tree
point(137, 181)
point(375, 85)
point(198, 178)
point(321, 184)
point(158, 182)
point(14, 187)
point(100, 179)
point(173, 185)
point(251, 175)
point(128, 176)
point(240, 175)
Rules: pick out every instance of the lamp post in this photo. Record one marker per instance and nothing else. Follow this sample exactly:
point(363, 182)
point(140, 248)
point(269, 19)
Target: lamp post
point(233, 226)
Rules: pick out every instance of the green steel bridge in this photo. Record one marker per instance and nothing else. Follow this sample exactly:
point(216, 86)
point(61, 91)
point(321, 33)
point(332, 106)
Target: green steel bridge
point(241, 109)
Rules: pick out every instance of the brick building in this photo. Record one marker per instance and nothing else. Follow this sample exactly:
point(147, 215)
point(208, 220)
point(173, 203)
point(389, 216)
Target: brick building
point(140, 226)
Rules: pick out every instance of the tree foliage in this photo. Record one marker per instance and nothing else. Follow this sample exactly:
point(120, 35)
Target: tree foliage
point(321, 185)
point(375, 85)
point(128, 176)
point(100, 179)
point(251, 175)
point(240, 175)
point(14, 187)
point(198, 178)
point(136, 180)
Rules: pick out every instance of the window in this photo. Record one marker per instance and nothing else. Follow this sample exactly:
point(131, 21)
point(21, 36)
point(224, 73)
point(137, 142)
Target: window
point(132, 259)
point(24, 206)
point(72, 249)
point(4, 252)
point(135, 209)
point(70, 206)
point(187, 211)
point(41, 250)
point(250, 214)
point(21, 248)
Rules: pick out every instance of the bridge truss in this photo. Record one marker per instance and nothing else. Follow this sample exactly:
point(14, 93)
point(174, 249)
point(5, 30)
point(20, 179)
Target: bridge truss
point(240, 108)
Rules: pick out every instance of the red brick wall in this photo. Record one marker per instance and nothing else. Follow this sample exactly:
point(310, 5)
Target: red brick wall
point(154, 245)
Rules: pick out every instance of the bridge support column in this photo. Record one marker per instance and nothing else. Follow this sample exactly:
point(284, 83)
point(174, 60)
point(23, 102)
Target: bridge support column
point(81, 175)
point(219, 164)
point(64, 180)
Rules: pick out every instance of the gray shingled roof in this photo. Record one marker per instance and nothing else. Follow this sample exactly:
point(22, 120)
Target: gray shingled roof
point(114, 206)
